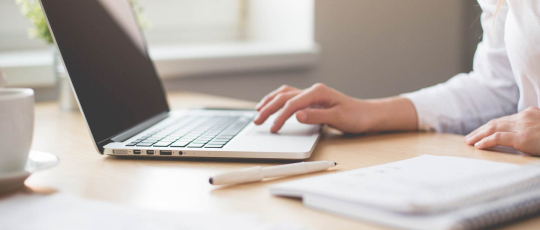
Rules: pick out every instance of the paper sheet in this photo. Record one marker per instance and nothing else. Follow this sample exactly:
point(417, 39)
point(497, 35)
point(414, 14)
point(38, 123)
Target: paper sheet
point(384, 193)
point(395, 186)
point(63, 211)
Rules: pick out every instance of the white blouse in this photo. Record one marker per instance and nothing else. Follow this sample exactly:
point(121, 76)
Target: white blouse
point(505, 77)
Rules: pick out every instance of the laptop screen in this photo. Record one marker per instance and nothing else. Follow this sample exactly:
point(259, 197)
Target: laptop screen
point(105, 55)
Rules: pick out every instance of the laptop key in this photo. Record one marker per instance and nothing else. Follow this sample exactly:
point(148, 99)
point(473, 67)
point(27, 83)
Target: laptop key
point(169, 139)
point(195, 145)
point(148, 142)
point(217, 143)
point(179, 144)
point(203, 139)
point(144, 144)
point(151, 139)
point(213, 146)
point(199, 142)
point(162, 142)
point(222, 139)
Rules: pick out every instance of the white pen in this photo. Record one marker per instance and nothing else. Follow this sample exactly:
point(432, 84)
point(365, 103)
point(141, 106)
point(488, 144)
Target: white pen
point(258, 173)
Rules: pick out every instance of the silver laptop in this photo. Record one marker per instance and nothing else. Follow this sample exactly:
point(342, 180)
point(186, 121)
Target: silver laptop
point(124, 104)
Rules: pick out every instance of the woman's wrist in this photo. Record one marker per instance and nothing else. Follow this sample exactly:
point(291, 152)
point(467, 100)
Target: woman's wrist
point(392, 114)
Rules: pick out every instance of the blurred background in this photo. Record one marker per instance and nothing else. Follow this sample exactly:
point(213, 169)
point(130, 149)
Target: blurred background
point(246, 48)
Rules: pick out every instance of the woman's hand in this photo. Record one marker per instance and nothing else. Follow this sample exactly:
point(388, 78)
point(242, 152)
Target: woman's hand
point(521, 131)
point(321, 104)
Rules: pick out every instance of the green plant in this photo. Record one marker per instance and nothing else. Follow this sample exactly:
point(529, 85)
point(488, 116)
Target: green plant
point(31, 10)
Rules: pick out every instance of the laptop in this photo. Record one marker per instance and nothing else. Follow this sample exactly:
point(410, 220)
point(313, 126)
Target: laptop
point(124, 104)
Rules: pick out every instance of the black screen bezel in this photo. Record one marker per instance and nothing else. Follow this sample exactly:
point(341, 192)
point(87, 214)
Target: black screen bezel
point(99, 144)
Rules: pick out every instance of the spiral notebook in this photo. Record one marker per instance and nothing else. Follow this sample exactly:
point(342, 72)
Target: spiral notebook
point(426, 192)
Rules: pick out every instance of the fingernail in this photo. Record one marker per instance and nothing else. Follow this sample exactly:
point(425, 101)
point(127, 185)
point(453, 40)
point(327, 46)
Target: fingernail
point(273, 128)
point(301, 116)
point(256, 120)
point(477, 144)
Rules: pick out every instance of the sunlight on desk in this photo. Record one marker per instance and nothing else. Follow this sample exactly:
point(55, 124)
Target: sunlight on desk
point(182, 185)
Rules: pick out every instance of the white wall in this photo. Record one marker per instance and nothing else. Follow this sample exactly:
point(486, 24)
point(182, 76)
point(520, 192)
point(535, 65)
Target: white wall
point(370, 48)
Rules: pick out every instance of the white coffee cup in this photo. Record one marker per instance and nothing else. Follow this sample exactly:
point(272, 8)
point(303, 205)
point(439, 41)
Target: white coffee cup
point(16, 128)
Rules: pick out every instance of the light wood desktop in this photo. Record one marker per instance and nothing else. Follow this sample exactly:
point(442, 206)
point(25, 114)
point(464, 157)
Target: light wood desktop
point(182, 185)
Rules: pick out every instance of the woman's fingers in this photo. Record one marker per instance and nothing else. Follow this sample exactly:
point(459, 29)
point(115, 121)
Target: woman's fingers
point(274, 105)
point(489, 129)
point(473, 133)
point(522, 132)
point(314, 95)
point(489, 125)
point(270, 96)
point(498, 138)
point(316, 116)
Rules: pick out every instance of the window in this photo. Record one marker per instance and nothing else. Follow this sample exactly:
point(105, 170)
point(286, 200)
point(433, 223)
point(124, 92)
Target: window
point(193, 21)
point(14, 29)
point(185, 38)
point(170, 22)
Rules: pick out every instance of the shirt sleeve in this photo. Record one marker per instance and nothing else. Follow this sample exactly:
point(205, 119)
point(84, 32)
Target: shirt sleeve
point(467, 101)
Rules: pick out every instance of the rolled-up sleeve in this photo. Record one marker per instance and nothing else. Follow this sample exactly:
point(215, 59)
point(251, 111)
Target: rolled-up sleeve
point(467, 101)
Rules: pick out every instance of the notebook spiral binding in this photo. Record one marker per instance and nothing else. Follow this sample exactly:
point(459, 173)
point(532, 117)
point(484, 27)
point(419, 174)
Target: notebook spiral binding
point(520, 199)
point(502, 215)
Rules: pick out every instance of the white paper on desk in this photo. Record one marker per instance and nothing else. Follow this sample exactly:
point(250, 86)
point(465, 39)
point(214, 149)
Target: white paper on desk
point(62, 211)
point(394, 186)
point(383, 193)
point(452, 220)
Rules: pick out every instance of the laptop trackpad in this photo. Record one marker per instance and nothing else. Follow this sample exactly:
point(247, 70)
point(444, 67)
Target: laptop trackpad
point(294, 137)
point(291, 128)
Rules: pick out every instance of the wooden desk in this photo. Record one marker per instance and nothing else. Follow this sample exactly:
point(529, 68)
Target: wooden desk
point(182, 185)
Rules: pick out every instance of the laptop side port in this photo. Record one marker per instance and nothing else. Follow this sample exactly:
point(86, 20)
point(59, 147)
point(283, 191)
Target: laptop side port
point(120, 151)
point(165, 152)
point(180, 153)
point(138, 152)
point(149, 152)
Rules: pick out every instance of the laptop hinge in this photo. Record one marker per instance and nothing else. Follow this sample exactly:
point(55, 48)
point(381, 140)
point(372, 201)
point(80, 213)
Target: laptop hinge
point(140, 127)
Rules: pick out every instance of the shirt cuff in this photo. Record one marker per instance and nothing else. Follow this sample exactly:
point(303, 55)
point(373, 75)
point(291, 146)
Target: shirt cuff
point(427, 121)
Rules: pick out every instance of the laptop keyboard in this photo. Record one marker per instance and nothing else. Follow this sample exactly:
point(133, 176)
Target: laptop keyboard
point(195, 132)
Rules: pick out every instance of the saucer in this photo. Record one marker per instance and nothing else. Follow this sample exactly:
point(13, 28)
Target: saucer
point(36, 161)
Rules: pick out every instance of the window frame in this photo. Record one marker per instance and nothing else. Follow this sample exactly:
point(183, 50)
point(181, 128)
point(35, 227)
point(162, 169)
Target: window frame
point(282, 46)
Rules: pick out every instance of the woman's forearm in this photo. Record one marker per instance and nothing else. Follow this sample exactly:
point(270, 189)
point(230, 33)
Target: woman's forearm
point(393, 114)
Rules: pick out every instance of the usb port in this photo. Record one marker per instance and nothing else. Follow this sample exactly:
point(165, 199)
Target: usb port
point(149, 152)
point(120, 151)
point(137, 152)
point(165, 152)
